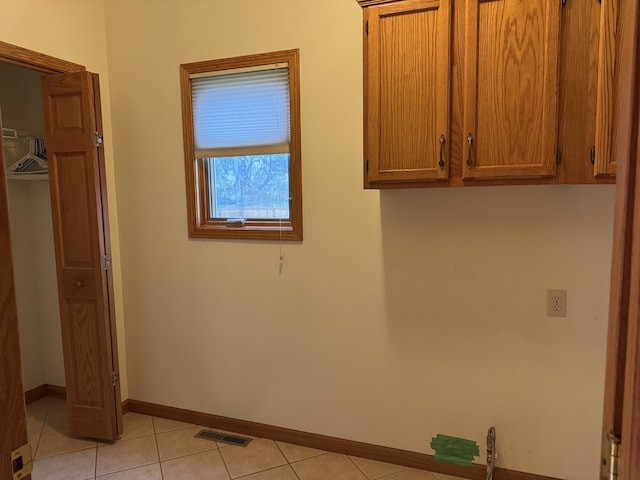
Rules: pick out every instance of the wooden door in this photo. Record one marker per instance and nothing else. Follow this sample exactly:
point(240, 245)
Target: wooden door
point(608, 92)
point(511, 88)
point(621, 417)
point(12, 409)
point(407, 70)
point(76, 177)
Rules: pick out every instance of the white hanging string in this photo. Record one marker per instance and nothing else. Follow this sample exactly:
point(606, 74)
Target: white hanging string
point(281, 253)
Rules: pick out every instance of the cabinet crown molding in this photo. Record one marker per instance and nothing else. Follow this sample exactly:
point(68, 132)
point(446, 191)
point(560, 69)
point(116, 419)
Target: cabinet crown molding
point(369, 3)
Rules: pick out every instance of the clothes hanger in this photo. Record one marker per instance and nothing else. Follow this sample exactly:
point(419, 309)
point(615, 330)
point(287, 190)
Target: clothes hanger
point(33, 162)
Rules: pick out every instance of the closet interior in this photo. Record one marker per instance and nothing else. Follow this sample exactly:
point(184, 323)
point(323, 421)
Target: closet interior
point(33, 250)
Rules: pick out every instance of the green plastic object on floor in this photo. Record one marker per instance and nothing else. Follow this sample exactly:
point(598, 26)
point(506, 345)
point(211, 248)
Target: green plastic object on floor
point(457, 451)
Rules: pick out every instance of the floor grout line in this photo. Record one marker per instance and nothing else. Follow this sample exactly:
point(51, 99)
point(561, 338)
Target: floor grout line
point(44, 419)
point(286, 460)
point(155, 438)
point(358, 467)
point(95, 467)
point(223, 461)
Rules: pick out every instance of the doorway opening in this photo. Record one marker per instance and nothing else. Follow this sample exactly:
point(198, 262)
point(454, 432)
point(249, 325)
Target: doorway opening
point(33, 252)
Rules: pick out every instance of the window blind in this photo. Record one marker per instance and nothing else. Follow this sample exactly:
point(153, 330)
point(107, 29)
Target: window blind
point(241, 113)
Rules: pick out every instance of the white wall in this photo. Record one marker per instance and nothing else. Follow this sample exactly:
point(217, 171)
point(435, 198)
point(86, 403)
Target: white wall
point(35, 283)
point(403, 314)
point(30, 340)
point(73, 30)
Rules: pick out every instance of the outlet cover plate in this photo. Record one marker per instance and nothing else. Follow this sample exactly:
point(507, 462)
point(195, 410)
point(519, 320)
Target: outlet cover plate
point(556, 303)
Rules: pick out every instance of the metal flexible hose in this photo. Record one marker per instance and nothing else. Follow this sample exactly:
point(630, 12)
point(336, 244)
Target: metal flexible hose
point(491, 452)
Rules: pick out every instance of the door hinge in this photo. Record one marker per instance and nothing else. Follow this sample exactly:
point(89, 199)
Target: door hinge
point(558, 156)
point(592, 155)
point(99, 138)
point(21, 461)
point(115, 378)
point(106, 262)
point(366, 28)
point(366, 166)
point(610, 456)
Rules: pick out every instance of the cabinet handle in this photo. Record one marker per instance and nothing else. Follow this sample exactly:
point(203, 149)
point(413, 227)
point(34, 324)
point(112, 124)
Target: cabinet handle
point(441, 162)
point(469, 160)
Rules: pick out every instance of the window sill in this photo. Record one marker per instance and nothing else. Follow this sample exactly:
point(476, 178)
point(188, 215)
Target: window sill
point(248, 231)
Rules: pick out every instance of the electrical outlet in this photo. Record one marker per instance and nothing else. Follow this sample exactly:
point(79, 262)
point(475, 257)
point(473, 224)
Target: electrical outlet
point(556, 303)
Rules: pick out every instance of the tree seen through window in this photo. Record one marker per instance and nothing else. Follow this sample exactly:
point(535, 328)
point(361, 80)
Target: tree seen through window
point(249, 187)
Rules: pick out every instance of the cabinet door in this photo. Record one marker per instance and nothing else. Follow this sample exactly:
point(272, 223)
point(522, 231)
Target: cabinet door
point(511, 88)
point(407, 71)
point(608, 96)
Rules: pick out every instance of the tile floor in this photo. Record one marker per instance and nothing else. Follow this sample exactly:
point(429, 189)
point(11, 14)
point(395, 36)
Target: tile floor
point(154, 448)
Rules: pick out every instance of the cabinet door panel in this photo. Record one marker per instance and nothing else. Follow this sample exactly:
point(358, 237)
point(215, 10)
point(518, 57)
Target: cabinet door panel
point(578, 86)
point(608, 96)
point(407, 69)
point(511, 88)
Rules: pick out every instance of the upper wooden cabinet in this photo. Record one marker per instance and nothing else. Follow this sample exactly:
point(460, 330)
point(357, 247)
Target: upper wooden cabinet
point(511, 88)
point(487, 91)
point(407, 63)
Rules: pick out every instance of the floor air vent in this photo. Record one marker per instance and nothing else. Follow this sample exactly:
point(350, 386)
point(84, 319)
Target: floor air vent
point(223, 437)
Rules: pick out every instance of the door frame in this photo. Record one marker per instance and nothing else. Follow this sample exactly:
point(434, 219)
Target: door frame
point(621, 413)
point(36, 61)
point(12, 404)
